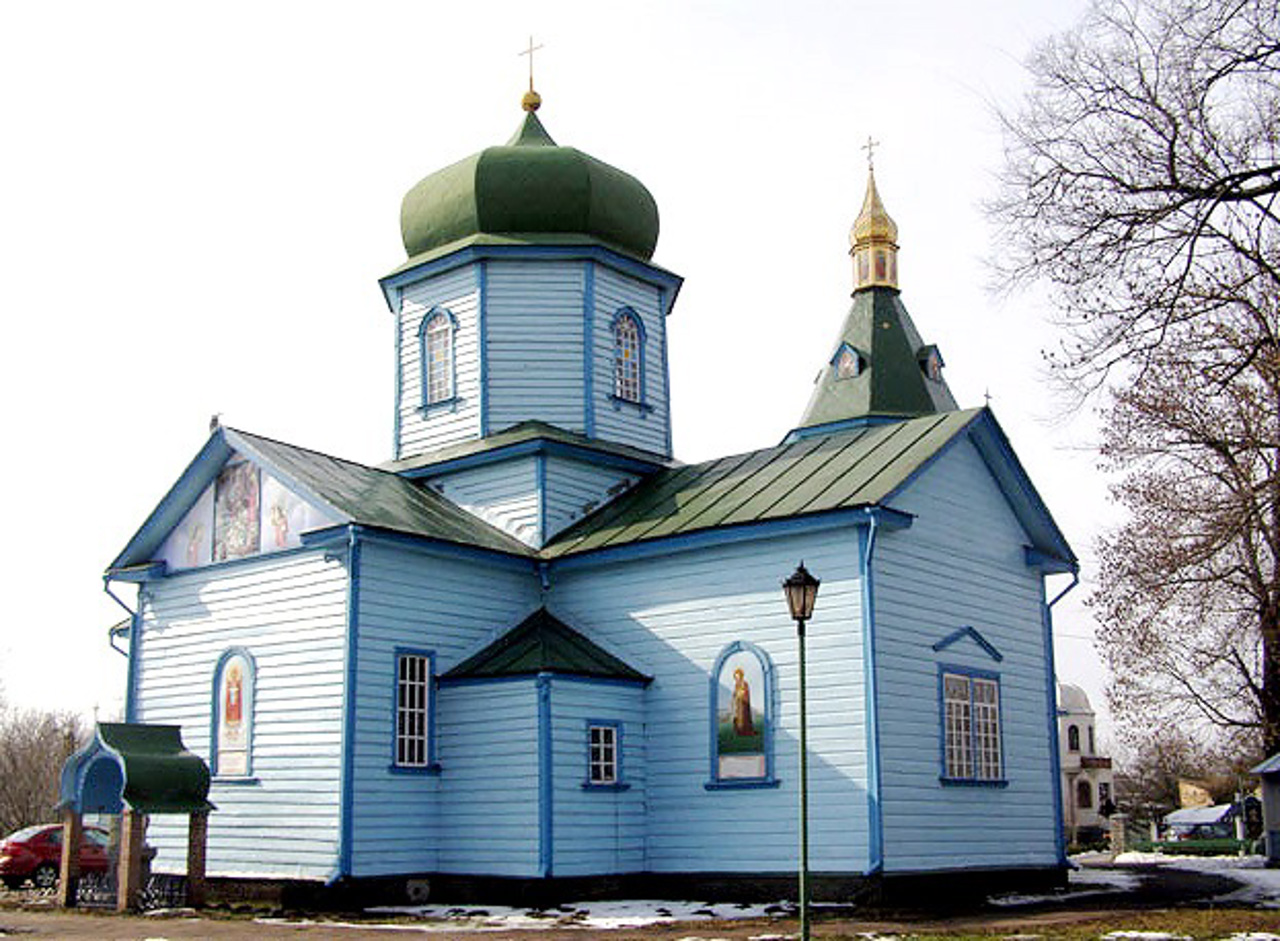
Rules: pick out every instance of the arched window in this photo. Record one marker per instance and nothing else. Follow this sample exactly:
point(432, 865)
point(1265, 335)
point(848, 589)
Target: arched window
point(742, 718)
point(1084, 794)
point(628, 356)
point(847, 362)
point(234, 682)
point(1092, 749)
point(1073, 738)
point(436, 338)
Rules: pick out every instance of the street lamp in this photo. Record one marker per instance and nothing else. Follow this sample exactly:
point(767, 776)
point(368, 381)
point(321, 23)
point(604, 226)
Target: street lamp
point(802, 591)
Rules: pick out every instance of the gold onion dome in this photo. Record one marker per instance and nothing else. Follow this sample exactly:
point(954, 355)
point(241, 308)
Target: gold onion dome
point(873, 223)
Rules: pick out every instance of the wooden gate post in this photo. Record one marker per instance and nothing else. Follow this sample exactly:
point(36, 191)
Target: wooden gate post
point(197, 840)
point(69, 873)
point(129, 880)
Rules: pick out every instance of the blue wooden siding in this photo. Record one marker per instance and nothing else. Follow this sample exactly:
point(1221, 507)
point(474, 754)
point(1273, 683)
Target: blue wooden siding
point(458, 291)
point(403, 821)
point(671, 617)
point(961, 563)
point(489, 761)
point(289, 612)
point(504, 494)
point(597, 831)
point(534, 313)
point(646, 427)
point(574, 489)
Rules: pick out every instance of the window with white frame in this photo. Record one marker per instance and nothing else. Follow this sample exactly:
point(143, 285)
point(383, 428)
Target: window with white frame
point(602, 754)
point(971, 727)
point(437, 357)
point(626, 357)
point(413, 710)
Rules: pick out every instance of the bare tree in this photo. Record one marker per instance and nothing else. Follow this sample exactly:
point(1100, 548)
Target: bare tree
point(1141, 177)
point(33, 747)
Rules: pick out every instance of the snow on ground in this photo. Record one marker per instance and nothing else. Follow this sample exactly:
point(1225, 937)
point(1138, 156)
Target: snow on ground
point(603, 915)
point(1082, 881)
point(1261, 885)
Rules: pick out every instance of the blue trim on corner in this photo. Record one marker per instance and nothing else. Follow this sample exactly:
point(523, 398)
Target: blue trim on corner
point(399, 374)
point(767, 699)
point(432, 766)
point(346, 825)
point(972, 632)
point(482, 329)
point(875, 808)
point(589, 349)
point(251, 684)
point(666, 368)
point(546, 793)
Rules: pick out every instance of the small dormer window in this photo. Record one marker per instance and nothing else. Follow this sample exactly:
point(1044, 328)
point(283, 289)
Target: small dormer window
point(436, 338)
point(628, 362)
point(931, 363)
point(848, 363)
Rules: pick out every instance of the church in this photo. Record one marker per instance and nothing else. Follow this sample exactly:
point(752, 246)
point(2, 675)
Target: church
point(533, 655)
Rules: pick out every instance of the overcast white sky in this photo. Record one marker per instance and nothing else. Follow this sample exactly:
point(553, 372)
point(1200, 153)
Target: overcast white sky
point(196, 201)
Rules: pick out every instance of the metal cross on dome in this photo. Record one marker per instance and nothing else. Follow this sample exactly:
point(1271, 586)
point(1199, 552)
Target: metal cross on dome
point(529, 52)
point(870, 147)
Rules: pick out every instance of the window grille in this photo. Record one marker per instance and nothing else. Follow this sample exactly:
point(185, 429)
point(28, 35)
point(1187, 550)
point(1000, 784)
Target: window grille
point(603, 754)
point(626, 359)
point(412, 705)
point(439, 357)
point(971, 734)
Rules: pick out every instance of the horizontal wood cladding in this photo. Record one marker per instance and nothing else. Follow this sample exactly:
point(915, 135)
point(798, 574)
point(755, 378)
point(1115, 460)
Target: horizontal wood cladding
point(574, 489)
point(646, 428)
point(458, 291)
point(596, 830)
point(489, 746)
point(290, 614)
point(428, 603)
point(534, 315)
point(671, 618)
point(505, 495)
point(960, 564)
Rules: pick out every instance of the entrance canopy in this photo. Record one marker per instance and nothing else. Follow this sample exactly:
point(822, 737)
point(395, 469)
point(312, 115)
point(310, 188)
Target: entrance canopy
point(144, 768)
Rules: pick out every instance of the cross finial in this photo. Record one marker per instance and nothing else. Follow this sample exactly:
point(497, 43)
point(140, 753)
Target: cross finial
point(987, 395)
point(870, 147)
point(529, 51)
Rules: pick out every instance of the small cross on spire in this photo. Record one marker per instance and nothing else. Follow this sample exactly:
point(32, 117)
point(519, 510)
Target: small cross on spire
point(529, 52)
point(870, 147)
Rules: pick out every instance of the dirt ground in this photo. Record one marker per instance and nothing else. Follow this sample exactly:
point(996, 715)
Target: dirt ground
point(1167, 900)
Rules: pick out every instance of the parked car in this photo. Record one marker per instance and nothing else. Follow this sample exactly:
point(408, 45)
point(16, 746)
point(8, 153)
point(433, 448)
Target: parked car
point(35, 853)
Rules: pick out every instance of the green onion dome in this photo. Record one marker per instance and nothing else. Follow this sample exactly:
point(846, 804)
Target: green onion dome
point(530, 191)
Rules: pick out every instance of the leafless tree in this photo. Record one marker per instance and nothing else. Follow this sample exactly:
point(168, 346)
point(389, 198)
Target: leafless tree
point(1141, 177)
point(33, 747)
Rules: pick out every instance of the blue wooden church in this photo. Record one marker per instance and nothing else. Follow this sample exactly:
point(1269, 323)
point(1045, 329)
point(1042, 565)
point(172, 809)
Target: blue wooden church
point(534, 654)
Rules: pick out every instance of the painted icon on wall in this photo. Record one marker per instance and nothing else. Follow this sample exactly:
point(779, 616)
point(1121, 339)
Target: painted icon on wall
point(741, 717)
point(235, 712)
point(235, 512)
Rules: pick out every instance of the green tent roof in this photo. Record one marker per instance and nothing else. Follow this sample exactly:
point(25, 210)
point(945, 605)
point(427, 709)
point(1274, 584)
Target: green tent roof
point(542, 643)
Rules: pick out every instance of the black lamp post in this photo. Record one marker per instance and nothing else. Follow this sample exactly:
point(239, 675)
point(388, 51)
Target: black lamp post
point(802, 591)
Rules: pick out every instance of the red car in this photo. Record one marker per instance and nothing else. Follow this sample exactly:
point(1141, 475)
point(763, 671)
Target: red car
point(35, 853)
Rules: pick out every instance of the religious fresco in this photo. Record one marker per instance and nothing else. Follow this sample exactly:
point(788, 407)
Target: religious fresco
point(286, 516)
point(741, 717)
point(191, 543)
point(236, 524)
point(235, 716)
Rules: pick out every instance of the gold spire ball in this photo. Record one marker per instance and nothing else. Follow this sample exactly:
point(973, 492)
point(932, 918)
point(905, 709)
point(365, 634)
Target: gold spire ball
point(873, 240)
point(531, 101)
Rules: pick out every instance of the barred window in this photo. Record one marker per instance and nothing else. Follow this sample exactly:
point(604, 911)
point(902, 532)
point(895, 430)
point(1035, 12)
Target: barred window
point(413, 704)
point(971, 728)
point(626, 358)
point(602, 754)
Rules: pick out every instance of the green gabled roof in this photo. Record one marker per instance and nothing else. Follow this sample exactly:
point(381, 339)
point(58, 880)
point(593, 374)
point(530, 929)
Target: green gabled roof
point(892, 383)
point(856, 467)
point(542, 643)
point(522, 433)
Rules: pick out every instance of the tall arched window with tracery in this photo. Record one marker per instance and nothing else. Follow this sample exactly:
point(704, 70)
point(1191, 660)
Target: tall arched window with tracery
point(628, 357)
point(436, 337)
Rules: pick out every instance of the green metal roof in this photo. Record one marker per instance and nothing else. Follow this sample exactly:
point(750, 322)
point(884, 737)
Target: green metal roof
point(852, 468)
point(533, 191)
point(524, 433)
point(159, 775)
point(542, 643)
point(892, 383)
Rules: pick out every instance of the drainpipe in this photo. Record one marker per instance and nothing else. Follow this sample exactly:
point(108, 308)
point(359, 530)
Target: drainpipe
point(1054, 745)
point(131, 653)
point(875, 811)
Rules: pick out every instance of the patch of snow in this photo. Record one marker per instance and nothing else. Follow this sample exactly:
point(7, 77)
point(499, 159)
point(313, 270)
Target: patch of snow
point(1261, 885)
point(1143, 936)
point(606, 915)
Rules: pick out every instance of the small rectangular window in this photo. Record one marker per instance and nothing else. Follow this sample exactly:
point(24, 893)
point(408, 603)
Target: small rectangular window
point(413, 704)
point(602, 744)
point(971, 728)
